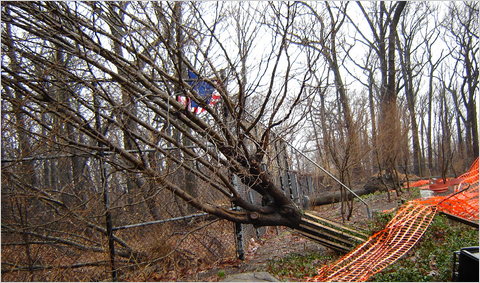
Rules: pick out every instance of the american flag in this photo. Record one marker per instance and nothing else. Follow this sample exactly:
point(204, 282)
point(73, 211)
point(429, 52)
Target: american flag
point(204, 90)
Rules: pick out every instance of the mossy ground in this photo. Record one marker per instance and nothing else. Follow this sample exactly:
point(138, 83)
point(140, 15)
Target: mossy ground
point(431, 260)
point(295, 267)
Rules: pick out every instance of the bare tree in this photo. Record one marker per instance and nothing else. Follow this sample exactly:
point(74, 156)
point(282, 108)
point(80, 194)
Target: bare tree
point(462, 27)
point(329, 41)
point(411, 70)
point(95, 89)
point(139, 74)
point(383, 25)
point(105, 122)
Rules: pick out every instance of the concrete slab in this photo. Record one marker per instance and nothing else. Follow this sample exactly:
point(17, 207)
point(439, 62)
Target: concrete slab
point(251, 277)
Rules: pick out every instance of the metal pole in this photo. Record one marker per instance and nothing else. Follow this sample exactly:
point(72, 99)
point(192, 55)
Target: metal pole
point(159, 221)
point(369, 213)
point(238, 226)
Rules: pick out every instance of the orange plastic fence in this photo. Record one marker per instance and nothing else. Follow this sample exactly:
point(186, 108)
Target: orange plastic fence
point(418, 183)
point(440, 185)
point(472, 174)
point(381, 249)
point(463, 203)
point(403, 231)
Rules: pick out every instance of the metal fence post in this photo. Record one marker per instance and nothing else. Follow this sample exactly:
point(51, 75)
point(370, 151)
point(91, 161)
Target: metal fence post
point(239, 241)
point(240, 248)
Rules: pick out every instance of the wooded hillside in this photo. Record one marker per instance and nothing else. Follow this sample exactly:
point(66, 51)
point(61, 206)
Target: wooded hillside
point(119, 113)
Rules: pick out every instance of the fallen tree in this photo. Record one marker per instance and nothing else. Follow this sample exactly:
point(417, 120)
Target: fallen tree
point(336, 196)
point(378, 182)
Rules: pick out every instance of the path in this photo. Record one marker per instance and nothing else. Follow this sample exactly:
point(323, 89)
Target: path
point(272, 246)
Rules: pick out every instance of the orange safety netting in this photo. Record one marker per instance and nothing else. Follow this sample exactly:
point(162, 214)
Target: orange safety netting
point(464, 201)
point(381, 249)
point(464, 204)
point(418, 183)
point(402, 232)
point(472, 174)
point(442, 185)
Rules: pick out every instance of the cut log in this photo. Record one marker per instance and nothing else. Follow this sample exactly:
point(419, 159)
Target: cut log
point(333, 197)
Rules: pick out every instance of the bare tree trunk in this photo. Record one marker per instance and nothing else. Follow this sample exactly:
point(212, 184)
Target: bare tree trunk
point(433, 66)
point(371, 107)
point(105, 196)
point(389, 122)
point(410, 95)
point(443, 140)
point(472, 127)
point(116, 23)
point(323, 125)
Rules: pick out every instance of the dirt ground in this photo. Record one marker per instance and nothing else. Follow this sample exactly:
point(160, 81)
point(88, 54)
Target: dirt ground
point(279, 242)
point(276, 244)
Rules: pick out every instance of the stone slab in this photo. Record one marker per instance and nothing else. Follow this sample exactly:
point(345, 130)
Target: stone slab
point(251, 277)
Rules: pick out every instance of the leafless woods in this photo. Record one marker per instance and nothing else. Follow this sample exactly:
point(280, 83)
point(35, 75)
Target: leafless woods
point(94, 132)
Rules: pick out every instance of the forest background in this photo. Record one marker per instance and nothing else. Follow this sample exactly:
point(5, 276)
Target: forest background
point(94, 135)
